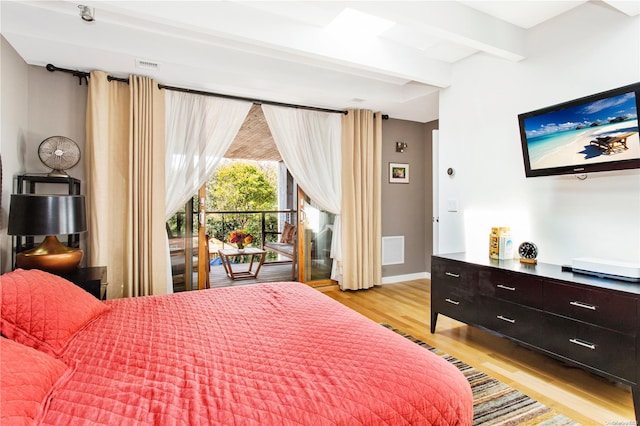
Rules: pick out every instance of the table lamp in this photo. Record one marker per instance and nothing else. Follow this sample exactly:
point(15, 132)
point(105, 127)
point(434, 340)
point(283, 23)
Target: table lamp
point(49, 215)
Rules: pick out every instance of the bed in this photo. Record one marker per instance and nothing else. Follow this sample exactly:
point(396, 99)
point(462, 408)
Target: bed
point(262, 354)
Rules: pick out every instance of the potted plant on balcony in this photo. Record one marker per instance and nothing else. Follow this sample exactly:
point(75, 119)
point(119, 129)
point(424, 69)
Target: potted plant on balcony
point(240, 238)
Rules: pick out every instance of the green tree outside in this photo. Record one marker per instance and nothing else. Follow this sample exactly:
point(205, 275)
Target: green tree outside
point(241, 186)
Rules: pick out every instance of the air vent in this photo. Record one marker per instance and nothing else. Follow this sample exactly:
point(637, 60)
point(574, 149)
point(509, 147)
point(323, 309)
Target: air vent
point(393, 250)
point(145, 64)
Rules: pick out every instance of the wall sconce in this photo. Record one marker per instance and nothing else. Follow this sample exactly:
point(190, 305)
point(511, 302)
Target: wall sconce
point(49, 215)
point(401, 146)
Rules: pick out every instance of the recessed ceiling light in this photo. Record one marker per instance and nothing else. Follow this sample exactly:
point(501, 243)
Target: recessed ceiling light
point(353, 23)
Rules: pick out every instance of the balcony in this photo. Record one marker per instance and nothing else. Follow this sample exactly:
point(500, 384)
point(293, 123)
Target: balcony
point(265, 225)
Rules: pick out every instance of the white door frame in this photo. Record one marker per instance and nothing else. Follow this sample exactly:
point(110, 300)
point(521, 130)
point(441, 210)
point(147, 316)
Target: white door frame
point(435, 151)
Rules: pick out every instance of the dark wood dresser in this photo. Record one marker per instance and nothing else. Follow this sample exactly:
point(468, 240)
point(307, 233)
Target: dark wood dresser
point(583, 320)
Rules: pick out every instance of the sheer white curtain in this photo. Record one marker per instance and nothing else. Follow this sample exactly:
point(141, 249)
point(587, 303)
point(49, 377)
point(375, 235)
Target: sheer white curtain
point(199, 131)
point(310, 146)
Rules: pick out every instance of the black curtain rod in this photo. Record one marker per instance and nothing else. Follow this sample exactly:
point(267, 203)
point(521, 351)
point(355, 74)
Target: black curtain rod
point(255, 101)
point(84, 76)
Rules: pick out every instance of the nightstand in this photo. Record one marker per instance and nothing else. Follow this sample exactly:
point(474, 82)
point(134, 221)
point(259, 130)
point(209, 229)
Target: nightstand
point(93, 280)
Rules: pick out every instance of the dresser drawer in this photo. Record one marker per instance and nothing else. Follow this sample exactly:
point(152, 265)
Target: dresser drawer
point(456, 293)
point(517, 288)
point(606, 309)
point(461, 309)
point(596, 347)
point(453, 289)
point(511, 320)
point(456, 277)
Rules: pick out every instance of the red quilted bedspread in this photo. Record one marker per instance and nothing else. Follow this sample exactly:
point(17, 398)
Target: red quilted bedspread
point(265, 354)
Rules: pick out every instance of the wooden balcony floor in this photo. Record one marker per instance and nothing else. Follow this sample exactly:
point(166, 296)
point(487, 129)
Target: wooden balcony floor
point(268, 273)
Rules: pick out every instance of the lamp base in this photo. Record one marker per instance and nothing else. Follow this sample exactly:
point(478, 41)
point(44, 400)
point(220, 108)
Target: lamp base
point(51, 256)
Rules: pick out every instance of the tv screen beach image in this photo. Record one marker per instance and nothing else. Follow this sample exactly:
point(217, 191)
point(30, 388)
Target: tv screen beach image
point(593, 132)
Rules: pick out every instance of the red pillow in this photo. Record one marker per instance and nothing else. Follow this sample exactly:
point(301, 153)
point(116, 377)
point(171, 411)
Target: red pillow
point(43, 310)
point(26, 378)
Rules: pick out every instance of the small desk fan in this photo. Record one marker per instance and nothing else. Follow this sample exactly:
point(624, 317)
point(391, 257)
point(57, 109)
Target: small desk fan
point(59, 153)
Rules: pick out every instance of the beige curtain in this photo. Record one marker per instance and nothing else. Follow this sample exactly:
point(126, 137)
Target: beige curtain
point(361, 195)
point(124, 159)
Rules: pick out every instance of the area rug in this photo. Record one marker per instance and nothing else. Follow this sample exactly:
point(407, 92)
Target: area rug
point(494, 402)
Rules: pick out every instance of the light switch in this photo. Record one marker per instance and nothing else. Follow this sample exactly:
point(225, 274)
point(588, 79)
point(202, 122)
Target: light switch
point(452, 205)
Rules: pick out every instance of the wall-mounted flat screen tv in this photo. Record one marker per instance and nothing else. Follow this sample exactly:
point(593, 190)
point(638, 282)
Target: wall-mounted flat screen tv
point(590, 134)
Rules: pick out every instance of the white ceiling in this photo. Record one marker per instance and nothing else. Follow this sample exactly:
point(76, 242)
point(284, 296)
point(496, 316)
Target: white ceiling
point(282, 51)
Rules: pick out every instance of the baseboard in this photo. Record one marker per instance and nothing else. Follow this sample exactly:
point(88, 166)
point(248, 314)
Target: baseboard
point(406, 277)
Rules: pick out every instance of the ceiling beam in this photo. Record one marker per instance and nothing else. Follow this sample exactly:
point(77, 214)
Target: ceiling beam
point(631, 8)
point(457, 23)
point(280, 36)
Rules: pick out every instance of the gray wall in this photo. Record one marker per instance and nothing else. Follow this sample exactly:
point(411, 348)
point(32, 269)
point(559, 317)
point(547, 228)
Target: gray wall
point(57, 106)
point(14, 117)
point(406, 208)
point(36, 104)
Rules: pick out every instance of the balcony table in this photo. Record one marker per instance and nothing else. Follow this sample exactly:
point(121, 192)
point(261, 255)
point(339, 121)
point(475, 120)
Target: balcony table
point(256, 255)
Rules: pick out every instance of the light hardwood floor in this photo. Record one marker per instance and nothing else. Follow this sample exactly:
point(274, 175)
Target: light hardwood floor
point(582, 396)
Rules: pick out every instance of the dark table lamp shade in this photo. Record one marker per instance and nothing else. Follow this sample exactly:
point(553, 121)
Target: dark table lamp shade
point(49, 215)
point(31, 214)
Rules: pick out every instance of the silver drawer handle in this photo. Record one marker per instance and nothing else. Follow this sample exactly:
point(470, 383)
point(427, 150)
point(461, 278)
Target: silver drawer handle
point(583, 344)
point(582, 305)
point(512, 321)
point(453, 302)
point(451, 274)
point(504, 287)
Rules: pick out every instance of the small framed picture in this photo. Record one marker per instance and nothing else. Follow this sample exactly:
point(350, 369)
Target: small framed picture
point(398, 173)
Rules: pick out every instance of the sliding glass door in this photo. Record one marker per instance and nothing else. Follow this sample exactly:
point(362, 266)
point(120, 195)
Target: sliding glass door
point(188, 243)
point(315, 232)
